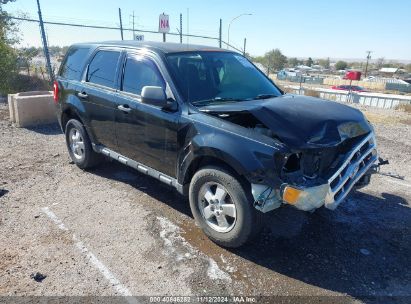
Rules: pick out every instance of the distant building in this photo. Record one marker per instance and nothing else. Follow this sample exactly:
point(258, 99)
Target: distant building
point(304, 68)
point(384, 80)
point(388, 71)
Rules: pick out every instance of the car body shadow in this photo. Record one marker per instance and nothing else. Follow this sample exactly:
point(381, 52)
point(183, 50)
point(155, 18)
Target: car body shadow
point(147, 184)
point(47, 129)
point(362, 248)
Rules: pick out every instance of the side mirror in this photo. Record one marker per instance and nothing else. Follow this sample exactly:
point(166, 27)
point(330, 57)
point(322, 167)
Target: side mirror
point(155, 96)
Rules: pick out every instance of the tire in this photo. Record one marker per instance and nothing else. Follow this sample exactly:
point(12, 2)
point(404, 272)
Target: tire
point(79, 145)
point(206, 191)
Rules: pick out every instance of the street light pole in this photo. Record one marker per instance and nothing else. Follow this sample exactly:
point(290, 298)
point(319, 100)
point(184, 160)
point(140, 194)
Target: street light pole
point(229, 25)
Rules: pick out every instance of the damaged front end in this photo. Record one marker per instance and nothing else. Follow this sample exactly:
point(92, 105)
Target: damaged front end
point(332, 150)
point(316, 178)
point(330, 174)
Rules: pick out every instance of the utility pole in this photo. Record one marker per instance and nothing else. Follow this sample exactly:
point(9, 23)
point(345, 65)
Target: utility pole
point(121, 23)
point(134, 35)
point(188, 20)
point(245, 42)
point(181, 28)
point(366, 65)
point(45, 47)
point(164, 34)
point(220, 38)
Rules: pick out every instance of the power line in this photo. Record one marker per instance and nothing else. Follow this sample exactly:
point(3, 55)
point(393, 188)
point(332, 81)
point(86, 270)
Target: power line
point(118, 28)
point(107, 27)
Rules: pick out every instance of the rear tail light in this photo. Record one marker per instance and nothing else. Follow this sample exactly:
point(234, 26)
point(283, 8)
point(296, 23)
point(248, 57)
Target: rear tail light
point(56, 92)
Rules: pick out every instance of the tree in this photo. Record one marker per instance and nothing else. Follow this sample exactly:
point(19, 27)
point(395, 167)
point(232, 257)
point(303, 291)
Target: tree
point(8, 68)
point(293, 62)
point(26, 55)
point(8, 57)
point(380, 62)
point(408, 68)
point(325, 63)
point(341, 65)
point(275, 60)
point(259, 59)
point(7, 26)
point(309, 62)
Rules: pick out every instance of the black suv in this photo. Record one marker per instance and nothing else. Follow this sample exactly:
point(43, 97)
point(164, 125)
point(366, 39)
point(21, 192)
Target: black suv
point(209, 123)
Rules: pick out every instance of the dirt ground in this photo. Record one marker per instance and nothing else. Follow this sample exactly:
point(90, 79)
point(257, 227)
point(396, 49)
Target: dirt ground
point(112, 231)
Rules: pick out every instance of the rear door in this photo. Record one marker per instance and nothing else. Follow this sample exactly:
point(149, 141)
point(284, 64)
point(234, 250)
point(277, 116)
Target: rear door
point(145, 133)
point(70, 74)
point(98, 95)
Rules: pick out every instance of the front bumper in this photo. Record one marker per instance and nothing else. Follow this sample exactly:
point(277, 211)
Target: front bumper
point(357, 163)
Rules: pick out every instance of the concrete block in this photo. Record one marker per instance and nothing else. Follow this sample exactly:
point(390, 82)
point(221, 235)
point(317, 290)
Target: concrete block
point(33, 108)
point(10, 101)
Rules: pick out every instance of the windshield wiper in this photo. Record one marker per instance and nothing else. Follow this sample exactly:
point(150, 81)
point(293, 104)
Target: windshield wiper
point(265, 96)
point(213, 100)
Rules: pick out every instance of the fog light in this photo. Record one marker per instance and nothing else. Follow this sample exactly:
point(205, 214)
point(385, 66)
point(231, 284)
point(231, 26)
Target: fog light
point(291, 195)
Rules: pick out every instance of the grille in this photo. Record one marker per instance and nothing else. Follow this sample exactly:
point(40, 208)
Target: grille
point(358, 161)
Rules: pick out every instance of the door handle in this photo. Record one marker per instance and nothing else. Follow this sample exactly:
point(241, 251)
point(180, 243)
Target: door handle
point(124, 108)
point(82, 95)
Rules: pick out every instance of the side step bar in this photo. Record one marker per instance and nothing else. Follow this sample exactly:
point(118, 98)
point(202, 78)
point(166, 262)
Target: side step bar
point(139, 167)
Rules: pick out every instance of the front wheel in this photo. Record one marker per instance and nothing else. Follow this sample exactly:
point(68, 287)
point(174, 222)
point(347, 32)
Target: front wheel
point(222, 208)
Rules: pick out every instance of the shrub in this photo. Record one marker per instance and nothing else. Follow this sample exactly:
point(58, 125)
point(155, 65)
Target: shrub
point(406, 107)
point(8, 68)
point(24, 83)
point(312, 93)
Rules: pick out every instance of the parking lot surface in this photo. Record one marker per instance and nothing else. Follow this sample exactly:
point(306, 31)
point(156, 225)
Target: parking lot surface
point(114, 231)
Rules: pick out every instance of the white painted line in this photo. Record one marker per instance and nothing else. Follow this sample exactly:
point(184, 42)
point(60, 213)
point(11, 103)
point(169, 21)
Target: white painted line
point(120, 288)
point(54, 218)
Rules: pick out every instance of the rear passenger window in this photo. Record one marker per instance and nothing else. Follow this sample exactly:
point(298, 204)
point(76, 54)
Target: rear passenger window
point(140, 72)
point(74, 63)
point(102, 69)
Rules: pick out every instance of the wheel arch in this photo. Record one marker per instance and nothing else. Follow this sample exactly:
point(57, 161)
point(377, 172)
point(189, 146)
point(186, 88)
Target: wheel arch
point(202, 161)
point(68, 114)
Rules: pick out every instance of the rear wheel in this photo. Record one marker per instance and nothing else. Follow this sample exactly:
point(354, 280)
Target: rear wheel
point(79, 145)
point(222, 208)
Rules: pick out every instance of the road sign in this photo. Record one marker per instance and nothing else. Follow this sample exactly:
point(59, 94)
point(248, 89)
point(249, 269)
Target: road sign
point(139, 37)
point(163, 24)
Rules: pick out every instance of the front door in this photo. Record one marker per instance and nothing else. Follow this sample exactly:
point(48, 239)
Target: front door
point(145, 133)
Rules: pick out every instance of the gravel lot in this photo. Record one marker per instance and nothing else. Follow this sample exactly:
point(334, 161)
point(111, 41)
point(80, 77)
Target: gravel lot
point(113, 231)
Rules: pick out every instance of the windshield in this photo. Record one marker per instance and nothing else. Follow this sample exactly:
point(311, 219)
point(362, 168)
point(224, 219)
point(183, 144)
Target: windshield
point(206, 77)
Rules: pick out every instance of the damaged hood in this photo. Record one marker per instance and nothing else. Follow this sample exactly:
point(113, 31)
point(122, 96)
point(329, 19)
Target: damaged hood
point(301, 122)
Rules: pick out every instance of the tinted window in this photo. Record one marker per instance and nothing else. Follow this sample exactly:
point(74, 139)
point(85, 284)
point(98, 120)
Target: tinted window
point(204, 76)
point(102, 69)
point(74, 63)
point(140, 72)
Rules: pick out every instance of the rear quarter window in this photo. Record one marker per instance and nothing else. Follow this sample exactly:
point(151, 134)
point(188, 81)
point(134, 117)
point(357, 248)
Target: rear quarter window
point(74, 62)
point(102, 68)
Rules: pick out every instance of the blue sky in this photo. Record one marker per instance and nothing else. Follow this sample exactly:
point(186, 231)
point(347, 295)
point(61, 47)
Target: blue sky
point(301, 28)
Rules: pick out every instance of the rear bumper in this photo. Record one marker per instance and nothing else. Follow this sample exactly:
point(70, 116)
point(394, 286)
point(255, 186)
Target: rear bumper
point(358, 163)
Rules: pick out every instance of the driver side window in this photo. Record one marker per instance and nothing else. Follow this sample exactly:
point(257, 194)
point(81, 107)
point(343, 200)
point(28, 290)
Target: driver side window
point(140, 72)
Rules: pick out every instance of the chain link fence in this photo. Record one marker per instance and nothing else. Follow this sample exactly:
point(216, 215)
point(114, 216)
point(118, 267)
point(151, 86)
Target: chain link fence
point(60, 35)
